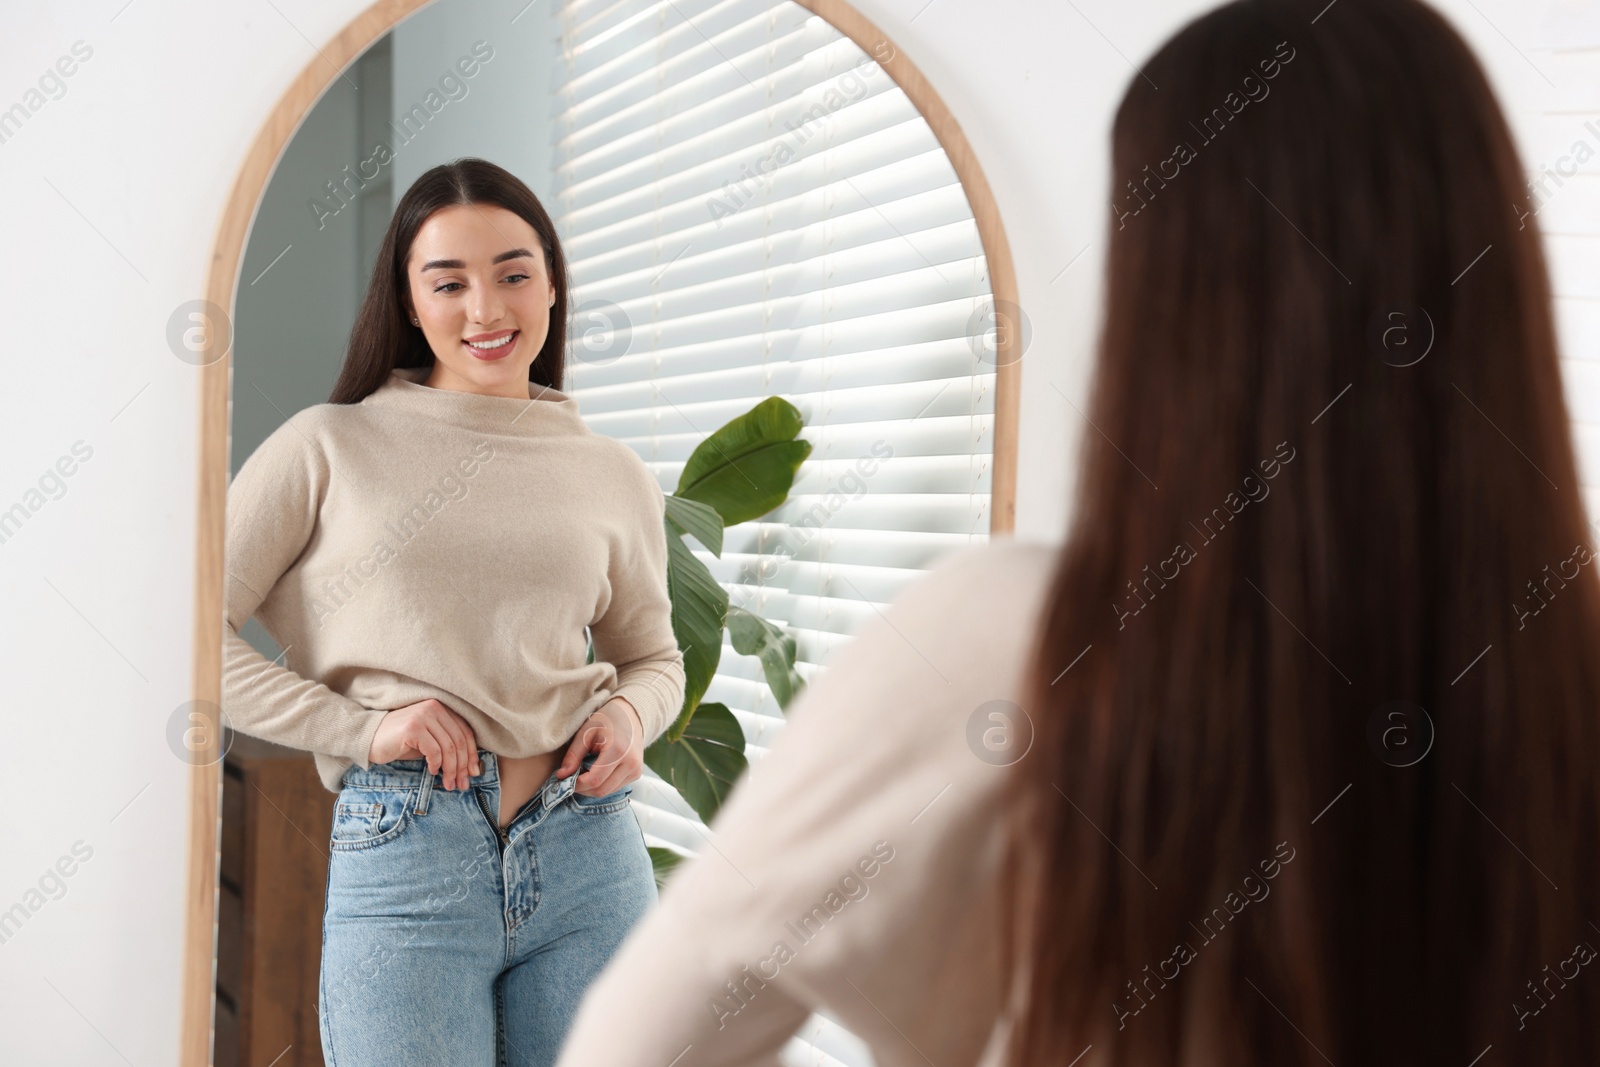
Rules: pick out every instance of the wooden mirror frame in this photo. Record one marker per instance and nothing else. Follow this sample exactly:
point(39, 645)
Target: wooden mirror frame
point(222, 277)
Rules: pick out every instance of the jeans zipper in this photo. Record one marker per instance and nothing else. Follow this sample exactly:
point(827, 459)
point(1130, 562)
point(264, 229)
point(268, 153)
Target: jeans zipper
point(498, 831)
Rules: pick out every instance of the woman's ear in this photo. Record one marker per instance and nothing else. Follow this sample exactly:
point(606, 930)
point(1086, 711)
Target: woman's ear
point(406, 309)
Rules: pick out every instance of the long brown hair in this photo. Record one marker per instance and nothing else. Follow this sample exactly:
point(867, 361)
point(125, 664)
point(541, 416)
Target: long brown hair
point(1321, 788)
point(382, 338)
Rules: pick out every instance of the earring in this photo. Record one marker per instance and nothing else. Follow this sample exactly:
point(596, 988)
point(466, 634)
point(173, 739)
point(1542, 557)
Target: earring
point(416, 322)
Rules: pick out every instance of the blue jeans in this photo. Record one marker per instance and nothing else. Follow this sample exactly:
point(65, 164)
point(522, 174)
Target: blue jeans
point(446, 941)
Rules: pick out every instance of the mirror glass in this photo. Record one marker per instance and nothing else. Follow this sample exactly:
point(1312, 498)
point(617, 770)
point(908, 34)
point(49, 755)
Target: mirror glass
point(750, 207)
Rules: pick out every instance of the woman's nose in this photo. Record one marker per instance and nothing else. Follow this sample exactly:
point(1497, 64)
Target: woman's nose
point(488, 308)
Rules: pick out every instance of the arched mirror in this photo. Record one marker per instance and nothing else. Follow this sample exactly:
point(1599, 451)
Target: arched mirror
point(757, 198)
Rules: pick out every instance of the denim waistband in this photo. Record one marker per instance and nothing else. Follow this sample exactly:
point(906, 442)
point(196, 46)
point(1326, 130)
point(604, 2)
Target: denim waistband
point(408, 773)
point(411, 774)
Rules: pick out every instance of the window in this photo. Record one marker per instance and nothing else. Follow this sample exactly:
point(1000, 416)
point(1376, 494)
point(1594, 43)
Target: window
point(751, 206)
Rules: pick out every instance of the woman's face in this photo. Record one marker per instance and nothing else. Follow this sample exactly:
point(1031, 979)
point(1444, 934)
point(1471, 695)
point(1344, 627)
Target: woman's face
point(477, 276)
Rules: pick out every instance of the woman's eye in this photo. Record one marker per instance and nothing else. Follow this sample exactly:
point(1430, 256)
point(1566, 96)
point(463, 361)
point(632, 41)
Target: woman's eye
point(446, 286)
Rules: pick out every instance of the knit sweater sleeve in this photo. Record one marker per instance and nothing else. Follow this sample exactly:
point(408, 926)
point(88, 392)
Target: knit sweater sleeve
point(841, 877)
point(272, 509)
point(635, 633)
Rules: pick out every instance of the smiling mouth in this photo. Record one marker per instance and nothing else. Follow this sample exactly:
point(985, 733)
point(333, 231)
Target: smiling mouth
point(494, 347)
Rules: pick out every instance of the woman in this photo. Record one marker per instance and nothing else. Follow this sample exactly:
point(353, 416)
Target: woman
point(428, 547)
point(1288, 755)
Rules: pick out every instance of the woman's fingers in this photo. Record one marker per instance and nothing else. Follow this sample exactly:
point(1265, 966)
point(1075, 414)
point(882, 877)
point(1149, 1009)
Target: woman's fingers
point(469, 749)
point(471, 742)
point(619, 762)
point(609, 778)
point(626, 748)
point(577, 748)
point(464, 751)
point(607, 765)
point(440, 733)
point(433, 731)
point(424, 742)
point(444, 739)
point(621, 756)
point(462, 743)
point(469, 753)
point(598, 772)
point(618, 778)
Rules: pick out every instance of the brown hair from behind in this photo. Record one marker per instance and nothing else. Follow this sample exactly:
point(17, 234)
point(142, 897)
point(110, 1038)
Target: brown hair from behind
point(1332, 511)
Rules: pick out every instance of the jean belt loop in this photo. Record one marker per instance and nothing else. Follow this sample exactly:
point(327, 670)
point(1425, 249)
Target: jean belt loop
point(558, 789)
point(426, 789)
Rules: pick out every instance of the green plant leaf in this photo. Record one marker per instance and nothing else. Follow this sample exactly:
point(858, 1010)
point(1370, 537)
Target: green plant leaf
point(742, 471)
point(700, 521)
point(754, 636)
point(705, 762)
point(699, 608)
point(746, 468)
point(663, 861)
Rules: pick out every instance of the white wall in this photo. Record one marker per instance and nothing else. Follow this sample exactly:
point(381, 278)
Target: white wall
point(429, 43)
point(112, 194)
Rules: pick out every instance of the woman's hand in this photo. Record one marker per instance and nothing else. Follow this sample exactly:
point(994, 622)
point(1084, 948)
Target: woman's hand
point(432, 731)
point(617, 734)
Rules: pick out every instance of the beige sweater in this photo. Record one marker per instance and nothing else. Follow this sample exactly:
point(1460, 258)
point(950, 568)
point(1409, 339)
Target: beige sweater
point(854, 868)
point(434, 543)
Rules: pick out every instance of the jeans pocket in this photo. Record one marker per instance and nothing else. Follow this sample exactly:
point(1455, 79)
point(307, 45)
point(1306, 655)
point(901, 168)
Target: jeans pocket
point(367, 818)
point(605, 805)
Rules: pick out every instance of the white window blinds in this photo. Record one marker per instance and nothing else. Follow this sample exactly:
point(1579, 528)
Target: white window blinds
point(751, 207)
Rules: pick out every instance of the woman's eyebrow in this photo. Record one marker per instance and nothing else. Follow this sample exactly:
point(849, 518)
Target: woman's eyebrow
point(456, 264)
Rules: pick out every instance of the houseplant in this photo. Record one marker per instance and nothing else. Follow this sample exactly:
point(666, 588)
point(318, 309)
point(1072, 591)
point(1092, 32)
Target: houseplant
point(742, 471)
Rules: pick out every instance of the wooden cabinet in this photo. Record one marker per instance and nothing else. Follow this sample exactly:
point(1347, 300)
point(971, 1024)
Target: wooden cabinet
point(276, 819)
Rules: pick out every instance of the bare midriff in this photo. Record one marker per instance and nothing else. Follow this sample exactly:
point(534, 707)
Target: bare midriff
point(520, 778)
